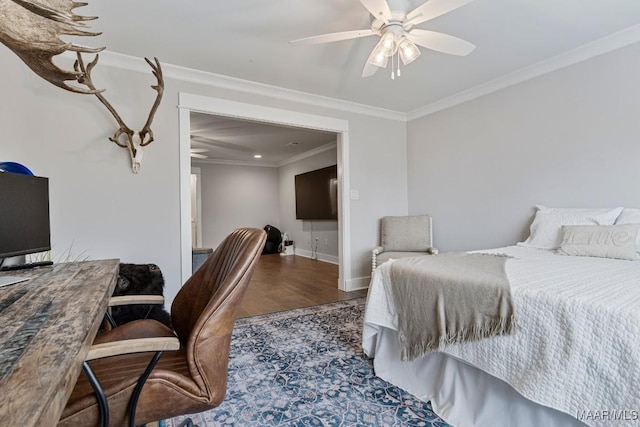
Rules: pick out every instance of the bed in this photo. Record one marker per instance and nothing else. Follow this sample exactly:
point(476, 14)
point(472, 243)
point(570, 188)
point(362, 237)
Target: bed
point(574, 359)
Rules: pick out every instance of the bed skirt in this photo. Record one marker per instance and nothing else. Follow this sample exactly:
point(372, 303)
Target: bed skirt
point(460, 394)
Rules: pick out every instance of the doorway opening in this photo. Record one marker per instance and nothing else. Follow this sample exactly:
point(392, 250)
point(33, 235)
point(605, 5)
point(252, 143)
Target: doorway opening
point(194, 103)
point(262, 174)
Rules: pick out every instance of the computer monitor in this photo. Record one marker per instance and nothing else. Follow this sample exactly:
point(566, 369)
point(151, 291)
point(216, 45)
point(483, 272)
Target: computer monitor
point(24, 215)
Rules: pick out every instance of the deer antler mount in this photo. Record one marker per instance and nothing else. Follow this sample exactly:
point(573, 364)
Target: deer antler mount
point(125, 137)
point(32, 30)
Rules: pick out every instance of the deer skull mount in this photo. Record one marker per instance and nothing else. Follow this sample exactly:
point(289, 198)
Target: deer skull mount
point(125, 137)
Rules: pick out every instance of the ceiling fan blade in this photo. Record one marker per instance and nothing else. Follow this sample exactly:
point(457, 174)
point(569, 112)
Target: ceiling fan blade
point(378, 8)
point(334, 37)
point(199, 150)
point(432, 9)
point(441, 42)
point(369, 70)
point(198, 156)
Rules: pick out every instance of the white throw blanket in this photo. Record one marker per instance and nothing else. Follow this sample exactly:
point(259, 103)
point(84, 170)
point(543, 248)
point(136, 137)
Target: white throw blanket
point(577, 347)
point(465, 297)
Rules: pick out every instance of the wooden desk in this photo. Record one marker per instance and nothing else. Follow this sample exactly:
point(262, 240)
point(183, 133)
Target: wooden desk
point(47, 325)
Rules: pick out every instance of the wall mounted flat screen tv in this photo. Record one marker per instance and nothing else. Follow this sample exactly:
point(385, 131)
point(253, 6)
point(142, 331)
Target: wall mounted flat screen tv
point(24, 214)
point(317, 194)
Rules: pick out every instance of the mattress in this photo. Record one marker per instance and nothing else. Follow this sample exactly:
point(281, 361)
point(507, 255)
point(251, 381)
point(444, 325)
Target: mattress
point(577, 344)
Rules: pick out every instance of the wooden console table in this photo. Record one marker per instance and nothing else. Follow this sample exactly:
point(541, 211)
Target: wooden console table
point(47, 325)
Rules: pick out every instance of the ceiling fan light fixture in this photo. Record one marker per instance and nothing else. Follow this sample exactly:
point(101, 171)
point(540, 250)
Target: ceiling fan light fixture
point(408, 51)
point(378, 56)
point(379, 60)
point(387, 44)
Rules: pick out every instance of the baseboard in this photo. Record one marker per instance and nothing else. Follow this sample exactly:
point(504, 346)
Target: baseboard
point(357, 284)
point(321, 257)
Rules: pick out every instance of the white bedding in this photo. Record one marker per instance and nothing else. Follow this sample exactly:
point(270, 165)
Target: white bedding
point(577, 346)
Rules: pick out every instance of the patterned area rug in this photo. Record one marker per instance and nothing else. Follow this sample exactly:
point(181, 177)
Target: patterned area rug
point(305, 367)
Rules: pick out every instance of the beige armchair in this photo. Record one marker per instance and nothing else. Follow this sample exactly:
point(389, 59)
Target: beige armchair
point(403, 236)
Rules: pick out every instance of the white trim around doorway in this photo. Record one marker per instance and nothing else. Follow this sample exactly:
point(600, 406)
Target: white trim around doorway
point(222, 107)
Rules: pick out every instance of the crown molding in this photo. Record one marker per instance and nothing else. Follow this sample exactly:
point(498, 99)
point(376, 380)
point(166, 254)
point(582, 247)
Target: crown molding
point(190, 75)
point(598, 47)
point(196, 161)
point(601, 46)
point(310, 153)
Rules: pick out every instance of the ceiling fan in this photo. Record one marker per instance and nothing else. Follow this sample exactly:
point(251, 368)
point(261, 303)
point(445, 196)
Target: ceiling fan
point(395, 25)
point(197, 153)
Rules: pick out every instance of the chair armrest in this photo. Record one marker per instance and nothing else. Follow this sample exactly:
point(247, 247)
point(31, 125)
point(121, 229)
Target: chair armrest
point(114, 348)
point(139, 345)
point(433, 251)
point(136, 299)
point(377, 250)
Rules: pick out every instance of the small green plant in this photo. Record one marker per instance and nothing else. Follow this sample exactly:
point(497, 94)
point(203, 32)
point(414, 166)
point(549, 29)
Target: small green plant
point(65, 256)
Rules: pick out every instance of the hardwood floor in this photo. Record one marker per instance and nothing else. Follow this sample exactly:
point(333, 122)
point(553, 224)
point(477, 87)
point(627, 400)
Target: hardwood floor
point(287, 282)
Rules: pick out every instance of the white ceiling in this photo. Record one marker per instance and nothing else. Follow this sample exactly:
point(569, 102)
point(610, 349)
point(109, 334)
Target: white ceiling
point(249, 39)
point(237, 141)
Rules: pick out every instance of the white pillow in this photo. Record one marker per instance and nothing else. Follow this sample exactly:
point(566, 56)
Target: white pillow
point(630, 216)
point(603, 241)
point(546, 229)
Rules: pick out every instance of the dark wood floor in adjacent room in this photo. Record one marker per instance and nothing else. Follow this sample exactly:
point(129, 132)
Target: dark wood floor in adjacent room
point(287, 282)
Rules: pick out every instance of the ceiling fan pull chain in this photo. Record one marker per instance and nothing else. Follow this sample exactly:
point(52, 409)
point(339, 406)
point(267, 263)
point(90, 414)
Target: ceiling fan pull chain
point(398, 61)
point(393, 69)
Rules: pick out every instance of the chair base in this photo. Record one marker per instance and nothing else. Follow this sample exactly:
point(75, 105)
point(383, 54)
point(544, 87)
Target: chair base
point(187, 423)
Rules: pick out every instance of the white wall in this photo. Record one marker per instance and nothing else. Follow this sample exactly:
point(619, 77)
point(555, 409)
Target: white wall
point(326, 231)
point(98, 207)
point(234, 197)
point(570, 138)
point(101, 209)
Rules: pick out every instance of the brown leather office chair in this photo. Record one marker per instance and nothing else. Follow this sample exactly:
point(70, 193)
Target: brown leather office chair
point(191, 379)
